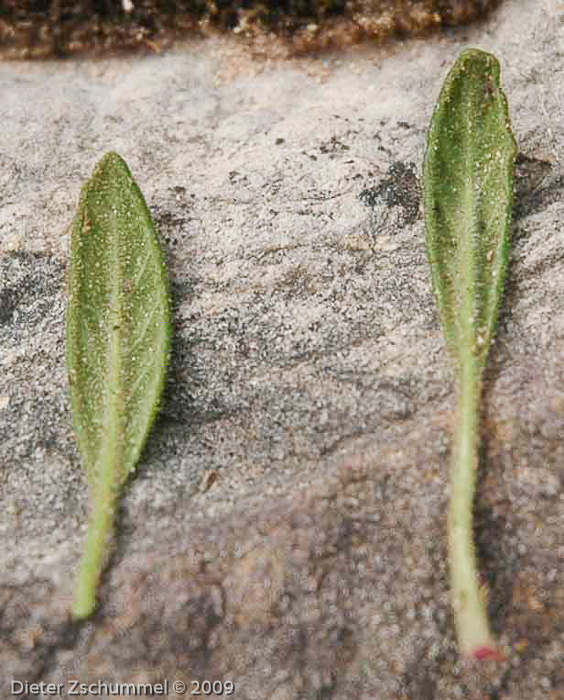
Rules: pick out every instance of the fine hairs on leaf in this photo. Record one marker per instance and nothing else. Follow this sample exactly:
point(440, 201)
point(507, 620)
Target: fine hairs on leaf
point(468, 174)
point(118, 341)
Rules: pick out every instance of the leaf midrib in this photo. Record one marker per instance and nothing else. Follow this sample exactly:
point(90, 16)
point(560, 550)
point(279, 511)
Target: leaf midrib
point(467, 257)
point(110, 459)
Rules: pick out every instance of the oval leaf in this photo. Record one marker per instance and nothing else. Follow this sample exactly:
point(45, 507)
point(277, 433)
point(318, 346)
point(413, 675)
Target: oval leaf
point(469, 165)
point(118, 338)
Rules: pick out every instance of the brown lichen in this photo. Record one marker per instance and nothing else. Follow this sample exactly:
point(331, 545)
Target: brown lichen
point(57, 28)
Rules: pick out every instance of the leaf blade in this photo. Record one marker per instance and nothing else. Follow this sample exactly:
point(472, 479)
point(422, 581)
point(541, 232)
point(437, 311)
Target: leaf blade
point(117, 270)
point(468, 172)
point(118, 343)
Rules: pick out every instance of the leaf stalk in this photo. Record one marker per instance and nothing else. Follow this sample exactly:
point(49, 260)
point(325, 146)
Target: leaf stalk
point(100, 529)
point(469, 599)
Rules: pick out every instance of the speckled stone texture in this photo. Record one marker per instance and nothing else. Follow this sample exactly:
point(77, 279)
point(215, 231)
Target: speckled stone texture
point(286, 527)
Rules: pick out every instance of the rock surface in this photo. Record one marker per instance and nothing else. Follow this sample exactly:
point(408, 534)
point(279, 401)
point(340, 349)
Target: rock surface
point(286, 527)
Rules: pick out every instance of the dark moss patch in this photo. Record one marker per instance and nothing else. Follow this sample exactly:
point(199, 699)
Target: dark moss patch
point(399, 189)
point(58, 28)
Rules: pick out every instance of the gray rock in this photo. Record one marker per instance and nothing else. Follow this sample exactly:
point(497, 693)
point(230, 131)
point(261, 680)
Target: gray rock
point(286, 527)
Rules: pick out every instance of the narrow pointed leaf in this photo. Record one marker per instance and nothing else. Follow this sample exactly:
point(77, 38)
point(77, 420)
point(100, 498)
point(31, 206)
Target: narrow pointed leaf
point(469, 165)
point(118, 336)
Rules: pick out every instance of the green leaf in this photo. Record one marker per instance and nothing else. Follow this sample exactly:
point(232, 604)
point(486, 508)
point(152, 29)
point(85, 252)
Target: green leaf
point(469, 166)
point(118, 339)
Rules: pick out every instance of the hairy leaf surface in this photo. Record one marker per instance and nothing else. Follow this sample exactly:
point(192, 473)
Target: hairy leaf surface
point(469, 165)
point(118, 318)
point(118, 336)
